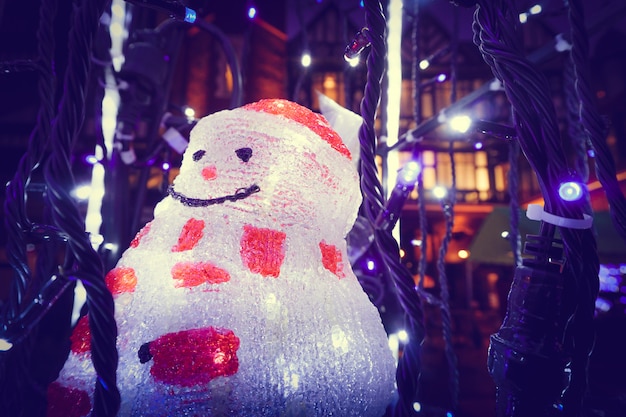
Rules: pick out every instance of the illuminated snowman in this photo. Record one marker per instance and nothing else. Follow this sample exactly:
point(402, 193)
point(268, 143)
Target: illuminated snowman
point(238, 298)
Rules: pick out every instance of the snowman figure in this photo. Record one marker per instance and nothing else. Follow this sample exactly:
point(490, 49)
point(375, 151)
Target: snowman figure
point(238, 299)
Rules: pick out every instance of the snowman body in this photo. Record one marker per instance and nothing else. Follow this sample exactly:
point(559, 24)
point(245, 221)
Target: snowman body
point(238, 299)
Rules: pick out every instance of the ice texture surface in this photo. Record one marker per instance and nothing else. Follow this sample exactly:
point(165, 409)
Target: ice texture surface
point(249, 307)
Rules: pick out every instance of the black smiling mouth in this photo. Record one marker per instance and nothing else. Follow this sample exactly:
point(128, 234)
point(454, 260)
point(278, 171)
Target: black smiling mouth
point(239, 194)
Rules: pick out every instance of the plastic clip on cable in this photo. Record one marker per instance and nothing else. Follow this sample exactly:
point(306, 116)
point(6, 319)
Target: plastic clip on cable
point(175, 9)
point(527, 359)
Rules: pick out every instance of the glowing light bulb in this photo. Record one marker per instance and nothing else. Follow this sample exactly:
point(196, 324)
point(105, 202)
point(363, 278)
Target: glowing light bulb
point(536, 9)
point(352, 61)
point(82, 192)
point(460, 123)
point(91, 159)
point(116, 29)
point(523, 17)
point(370, 265)
point(306, 60)
point(478, 145)
point(504, 234)
point(424, 63)
point(416, 242)
point(570, 191)
point(403, 336)
point(441, 77)
point(463, 254)
point(440, 192)
point(189, 112)
point(5, 345)
point(252, 12)
point(417, 407)
point(409, 172)
point(165, 166)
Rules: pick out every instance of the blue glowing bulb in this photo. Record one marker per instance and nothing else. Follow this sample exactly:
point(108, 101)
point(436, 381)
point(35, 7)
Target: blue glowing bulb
point(252, 12)
point(190, 15)
point(370, 265)
point(570, 191)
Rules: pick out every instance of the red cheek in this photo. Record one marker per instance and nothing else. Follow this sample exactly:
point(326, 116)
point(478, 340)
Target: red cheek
point(209, 173)
point(81, 336)
point(195, 356)
point(67, 402)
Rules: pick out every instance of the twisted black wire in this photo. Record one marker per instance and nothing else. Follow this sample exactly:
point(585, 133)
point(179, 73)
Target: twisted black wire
point(82, 260)
point(370, 185)
point(575, 130)
point(417, 116)
point(513, 186)
point(16, 220)
point(446, 316)
point(15, 365)
point(18, 65)
point(592, 121)
point(535, 119)
point(582, 333)
point(407, 375)
point(448, 210)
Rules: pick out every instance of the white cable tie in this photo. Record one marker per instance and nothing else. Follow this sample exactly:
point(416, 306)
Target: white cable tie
point(124, 136)
point(536, 212)
point(495, 85)
point(562, 44)
point(164, 119)
point(175, 140)
point(128, 157)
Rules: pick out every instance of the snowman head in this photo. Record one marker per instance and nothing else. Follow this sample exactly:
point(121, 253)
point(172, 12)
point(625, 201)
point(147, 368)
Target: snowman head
point(274, 160)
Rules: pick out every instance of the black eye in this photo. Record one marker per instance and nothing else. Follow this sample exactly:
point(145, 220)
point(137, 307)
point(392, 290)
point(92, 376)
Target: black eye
point(244, 154)
point(197, 155)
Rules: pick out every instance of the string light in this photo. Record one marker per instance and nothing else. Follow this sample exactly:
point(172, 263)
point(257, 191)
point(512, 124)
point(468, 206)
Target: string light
point(570, 191)
point(252, 12)
point(91, 159)
point(189, 112)
point(440, 192)
point(82, 192)
point(5, 345)
point(353, 62)
point(460, 123)
point(306, 60)
point(358, 44)
point(408, 173)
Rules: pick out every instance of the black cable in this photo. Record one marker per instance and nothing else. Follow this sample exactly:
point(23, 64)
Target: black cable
point(592, 121)
point(496, 34)
point(15, 365)
point(514, 207)
point(82, 261)
point(409, 366)
point(236, 99)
